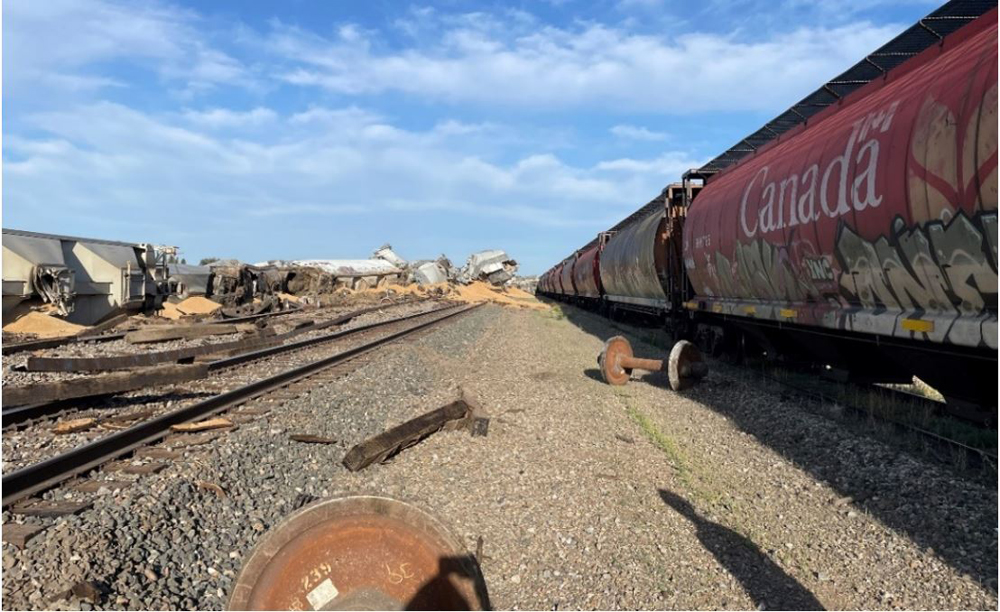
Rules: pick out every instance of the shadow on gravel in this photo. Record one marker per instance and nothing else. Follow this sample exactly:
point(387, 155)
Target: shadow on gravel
point(942, 513)
point(767, 584)
point(439, 593)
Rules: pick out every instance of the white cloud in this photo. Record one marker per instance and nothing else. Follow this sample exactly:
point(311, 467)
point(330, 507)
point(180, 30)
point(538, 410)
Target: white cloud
point(107, 159)
point(490, 61)
point(634, 132)
point(226, 118)
point(59, 43)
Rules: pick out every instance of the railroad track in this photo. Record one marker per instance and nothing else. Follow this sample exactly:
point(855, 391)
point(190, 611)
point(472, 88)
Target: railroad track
point(944, 446)
point(32, 479)
point(975, 458)
point(23, 416)
point(85, 337)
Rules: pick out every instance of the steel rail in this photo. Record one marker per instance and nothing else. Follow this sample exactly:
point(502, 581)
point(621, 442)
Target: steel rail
point(42, 475)
point(22, 414)
point(262, 353)
point(983, 456)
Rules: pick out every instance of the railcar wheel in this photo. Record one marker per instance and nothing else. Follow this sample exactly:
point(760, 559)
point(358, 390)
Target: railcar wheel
point(359, 553)
point(610, 361)
point(685, 366)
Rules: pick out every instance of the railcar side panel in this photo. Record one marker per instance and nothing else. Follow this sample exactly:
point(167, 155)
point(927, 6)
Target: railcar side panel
point(632, 262)
point(879, 218)
point(586, 274)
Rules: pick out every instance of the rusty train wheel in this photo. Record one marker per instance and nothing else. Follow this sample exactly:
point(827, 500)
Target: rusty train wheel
point(610, 358)
point(359, 553)
point(685, 366)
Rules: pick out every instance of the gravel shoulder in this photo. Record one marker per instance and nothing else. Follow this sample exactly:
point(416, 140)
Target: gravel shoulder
point(585, 495)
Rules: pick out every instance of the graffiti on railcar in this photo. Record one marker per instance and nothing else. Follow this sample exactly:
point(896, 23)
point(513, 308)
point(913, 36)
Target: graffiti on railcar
point(936, 267)
point(763, 269)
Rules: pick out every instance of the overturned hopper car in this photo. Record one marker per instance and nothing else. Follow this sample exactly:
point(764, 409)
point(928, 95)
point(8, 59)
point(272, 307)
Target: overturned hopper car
point(85, 279)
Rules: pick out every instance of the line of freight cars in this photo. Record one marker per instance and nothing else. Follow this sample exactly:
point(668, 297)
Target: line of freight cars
point(864, 239)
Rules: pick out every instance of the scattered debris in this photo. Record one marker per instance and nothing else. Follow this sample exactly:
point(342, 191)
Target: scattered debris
point(186, 280)
point(213, 423)
point(18, 535)
point(493, 266)
point(385, 252)
point(311, 439)
point(430, 273)
point(390, 442)
point(211, 486)
point(73, 426)
point(105, 325)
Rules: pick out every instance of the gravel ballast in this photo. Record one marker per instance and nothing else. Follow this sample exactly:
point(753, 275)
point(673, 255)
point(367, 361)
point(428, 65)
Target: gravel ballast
point(585, 495)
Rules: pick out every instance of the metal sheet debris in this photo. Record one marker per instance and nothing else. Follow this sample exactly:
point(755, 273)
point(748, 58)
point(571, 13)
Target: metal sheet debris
point(493, 266)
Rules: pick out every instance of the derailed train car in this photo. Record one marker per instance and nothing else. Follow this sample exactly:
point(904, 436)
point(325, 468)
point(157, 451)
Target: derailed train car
point(864, 238)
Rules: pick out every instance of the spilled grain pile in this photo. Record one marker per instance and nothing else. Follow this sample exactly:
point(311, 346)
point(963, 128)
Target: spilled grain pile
point(43, 326)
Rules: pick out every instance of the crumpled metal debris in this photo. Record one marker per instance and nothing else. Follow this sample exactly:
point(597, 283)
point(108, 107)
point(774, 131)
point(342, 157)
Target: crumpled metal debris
point(57, 285)
point(524, 283)
point(493, 266)
point(385, 252)
point(186, 280)
point(429, 273)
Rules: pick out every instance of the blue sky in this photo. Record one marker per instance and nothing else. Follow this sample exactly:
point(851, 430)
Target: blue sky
point(262, 130)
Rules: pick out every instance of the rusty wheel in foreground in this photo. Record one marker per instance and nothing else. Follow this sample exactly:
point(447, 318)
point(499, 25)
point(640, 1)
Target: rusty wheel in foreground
point(359, 553)
point(610, 358)
point(685, 367)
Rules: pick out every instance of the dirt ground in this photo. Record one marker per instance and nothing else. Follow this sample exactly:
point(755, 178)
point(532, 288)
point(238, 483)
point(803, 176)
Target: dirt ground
point(585, 496)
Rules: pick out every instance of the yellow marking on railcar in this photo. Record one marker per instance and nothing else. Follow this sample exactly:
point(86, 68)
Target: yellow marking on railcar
point(716, 307)
point(692, 305)
point(918, 325)
point(788, 313)
point(750, 310)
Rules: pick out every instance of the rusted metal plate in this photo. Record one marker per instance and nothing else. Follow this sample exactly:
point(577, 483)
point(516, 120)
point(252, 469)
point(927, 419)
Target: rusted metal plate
point(610, 358)
point(359, 553)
